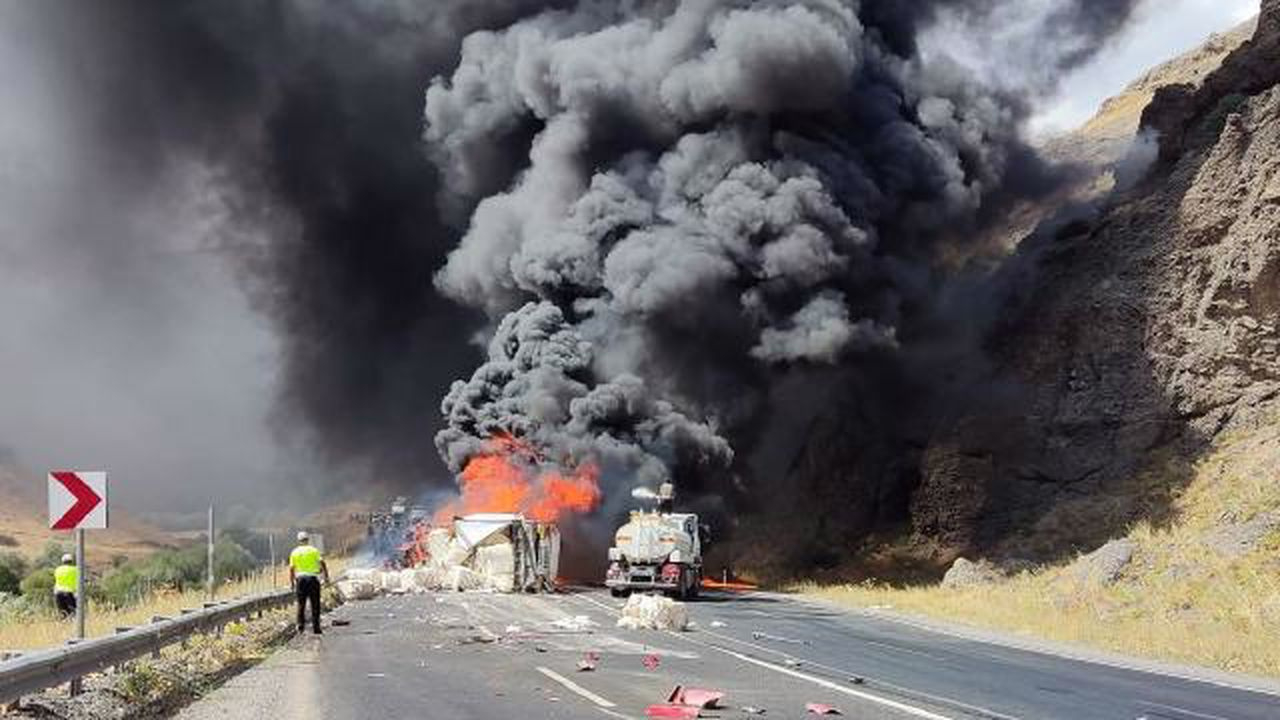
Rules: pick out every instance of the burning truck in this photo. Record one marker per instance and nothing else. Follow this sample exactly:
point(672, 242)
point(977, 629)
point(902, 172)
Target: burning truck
point(503, 552)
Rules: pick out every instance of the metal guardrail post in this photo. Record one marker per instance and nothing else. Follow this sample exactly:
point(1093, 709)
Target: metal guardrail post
point(76, 684)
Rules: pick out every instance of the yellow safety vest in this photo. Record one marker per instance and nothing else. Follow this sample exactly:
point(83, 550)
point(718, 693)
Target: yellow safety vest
point(65, 578)
point(305, 560)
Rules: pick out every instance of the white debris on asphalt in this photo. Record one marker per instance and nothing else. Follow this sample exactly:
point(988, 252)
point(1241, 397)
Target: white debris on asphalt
point(577, 623)
point(653, 612)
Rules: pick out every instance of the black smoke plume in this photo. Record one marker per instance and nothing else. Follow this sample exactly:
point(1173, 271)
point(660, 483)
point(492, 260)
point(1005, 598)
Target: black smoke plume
point(726, 198)
point(733, 203)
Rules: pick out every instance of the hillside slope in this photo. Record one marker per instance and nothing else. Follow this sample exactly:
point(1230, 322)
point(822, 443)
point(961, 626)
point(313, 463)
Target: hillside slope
point(24, 524)
point(1151, 328)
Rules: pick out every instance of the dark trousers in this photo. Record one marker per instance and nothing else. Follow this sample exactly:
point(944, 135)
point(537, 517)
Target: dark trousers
point(308, 591)
point(66, 603)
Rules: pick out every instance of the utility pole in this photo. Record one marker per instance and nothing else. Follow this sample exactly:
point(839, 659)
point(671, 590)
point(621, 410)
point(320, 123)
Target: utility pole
point(210, 581)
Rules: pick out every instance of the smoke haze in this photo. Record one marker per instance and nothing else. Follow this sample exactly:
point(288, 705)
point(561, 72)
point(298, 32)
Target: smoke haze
point(731, 203)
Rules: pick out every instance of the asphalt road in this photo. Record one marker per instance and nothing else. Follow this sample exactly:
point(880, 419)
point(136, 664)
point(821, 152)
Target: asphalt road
point(483, 656)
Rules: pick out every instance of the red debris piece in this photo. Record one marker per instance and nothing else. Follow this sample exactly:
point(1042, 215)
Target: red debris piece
point(697, 697)
point(667, 710)
point(588, 661)
point(822, 709)
point(651, 661)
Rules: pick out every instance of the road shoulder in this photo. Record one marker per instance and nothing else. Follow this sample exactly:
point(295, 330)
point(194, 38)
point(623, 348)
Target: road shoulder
point(1238, 681)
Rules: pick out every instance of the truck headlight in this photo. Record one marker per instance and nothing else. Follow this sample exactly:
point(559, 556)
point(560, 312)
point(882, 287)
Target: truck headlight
point(675, 556)
point(615, 554)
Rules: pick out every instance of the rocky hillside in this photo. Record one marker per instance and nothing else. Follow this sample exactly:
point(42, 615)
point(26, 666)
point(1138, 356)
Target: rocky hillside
point(1105, 138)
point(1149, 329)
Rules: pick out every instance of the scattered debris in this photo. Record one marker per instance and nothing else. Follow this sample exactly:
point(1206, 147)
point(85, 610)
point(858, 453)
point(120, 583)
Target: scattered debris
point(577, 623)
point(822, 709)
point(588, 662)
point(376, 675)
point(513, 629)
point(667, 710)
point(651, 661)
point(752, 710)
point(653, 612)
point(759, 635)
point(718, 624)
point(340, 622)
point(856, 680)
point(697, 697)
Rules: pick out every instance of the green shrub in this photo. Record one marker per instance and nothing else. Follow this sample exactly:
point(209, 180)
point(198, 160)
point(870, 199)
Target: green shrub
point(13, 568)
point(37, 587)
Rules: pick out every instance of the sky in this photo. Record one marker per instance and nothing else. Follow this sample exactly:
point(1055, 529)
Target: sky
point(126, 342)
point(1163, 30)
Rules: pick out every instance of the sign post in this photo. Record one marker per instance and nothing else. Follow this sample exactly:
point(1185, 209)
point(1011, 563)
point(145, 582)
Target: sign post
point(80, 603)
point(78, 501)
point(211, 587)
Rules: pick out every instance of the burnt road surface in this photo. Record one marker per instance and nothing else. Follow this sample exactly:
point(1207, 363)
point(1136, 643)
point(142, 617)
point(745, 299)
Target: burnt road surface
point(477, 655)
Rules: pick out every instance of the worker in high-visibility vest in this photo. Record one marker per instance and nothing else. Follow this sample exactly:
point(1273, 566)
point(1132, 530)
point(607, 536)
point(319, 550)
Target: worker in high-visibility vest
point(306, 568)
point(65, 578)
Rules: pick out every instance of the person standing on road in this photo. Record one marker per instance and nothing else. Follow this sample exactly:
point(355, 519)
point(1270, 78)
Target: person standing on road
point(65, 578)
point(306, 568)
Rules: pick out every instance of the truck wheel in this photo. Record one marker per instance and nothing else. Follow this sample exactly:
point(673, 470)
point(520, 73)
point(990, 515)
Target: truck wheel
point(682, 592)
point(619, 592)
point(695, 584)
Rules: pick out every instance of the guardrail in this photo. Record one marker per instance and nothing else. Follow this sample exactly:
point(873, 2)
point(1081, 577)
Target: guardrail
point(41, 669)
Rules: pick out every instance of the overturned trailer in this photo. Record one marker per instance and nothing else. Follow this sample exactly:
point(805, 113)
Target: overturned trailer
point(502, 552)
point(509, 552)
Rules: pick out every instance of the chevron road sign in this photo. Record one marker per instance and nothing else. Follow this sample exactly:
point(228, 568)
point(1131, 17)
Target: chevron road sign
point(77, 500)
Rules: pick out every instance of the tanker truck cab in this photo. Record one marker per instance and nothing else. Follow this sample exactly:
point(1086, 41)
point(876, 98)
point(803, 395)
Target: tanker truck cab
point(656, 550)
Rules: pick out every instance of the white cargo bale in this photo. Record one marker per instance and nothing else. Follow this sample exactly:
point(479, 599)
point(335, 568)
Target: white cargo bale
point(349, 590)
point(495, 562)
point(361, 574)
point(390, 581)
point(653, 612)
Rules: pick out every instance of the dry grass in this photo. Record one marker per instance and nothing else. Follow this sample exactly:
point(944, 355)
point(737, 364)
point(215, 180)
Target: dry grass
point(49, 631)
point(1180, 600)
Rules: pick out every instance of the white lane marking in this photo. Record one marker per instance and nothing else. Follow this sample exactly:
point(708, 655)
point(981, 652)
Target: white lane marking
point(977, 709)
point(901, 707)
point(576, 688)
point(1184, 711)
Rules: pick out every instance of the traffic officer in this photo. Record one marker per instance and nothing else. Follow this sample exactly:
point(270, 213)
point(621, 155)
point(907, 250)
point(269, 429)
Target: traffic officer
point(65, 578)
point(306, 568)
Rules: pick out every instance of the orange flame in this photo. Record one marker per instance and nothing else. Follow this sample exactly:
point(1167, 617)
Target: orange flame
point(511, 477)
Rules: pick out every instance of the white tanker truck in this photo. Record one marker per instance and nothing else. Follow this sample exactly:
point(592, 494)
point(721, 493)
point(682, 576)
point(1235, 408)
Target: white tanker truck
point(656, 549)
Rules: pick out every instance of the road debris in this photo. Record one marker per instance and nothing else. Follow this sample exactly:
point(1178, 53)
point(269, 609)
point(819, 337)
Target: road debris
point(340, 622)
point(792, 662)
point(588, 662)
point(822, 709)
point(653, 612)
point(761, 635)
point(651, 661)
point(697, 697)
point(752, 710)
point(668, 710)
point(856, 680)
point(577, 623)
point(375, 675)
point(718, 624)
